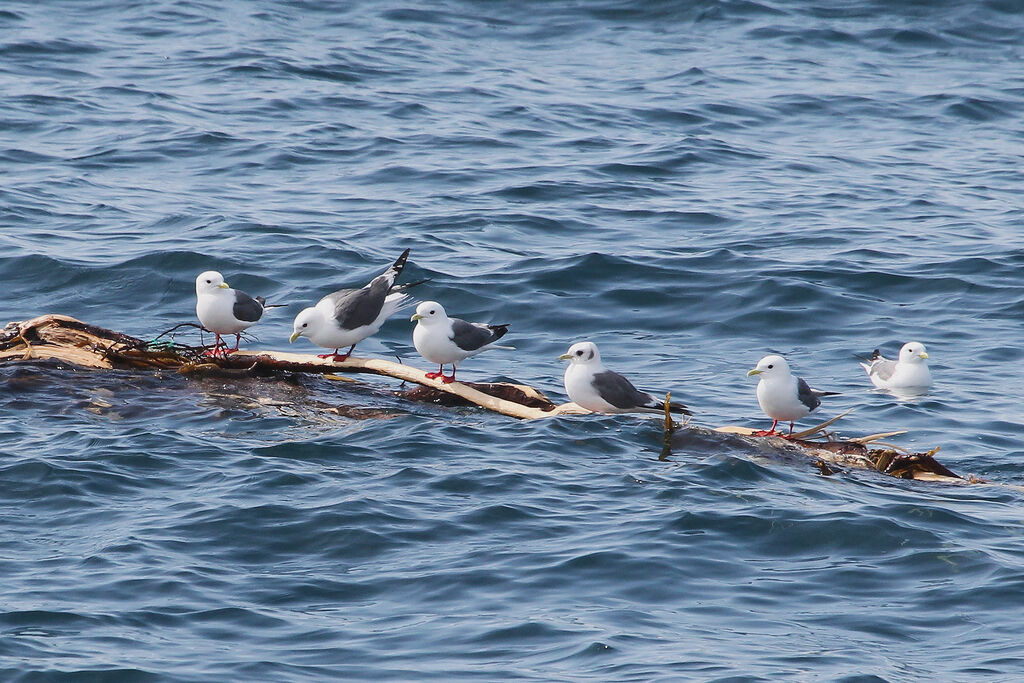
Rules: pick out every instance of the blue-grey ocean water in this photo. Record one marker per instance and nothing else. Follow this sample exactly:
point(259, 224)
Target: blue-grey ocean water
point(690, 185)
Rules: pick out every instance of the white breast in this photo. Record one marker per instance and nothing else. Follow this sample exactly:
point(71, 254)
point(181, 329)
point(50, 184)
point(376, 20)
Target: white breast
point(579, 386)
point(778, 399)
point(433, 344)
point(216, 312)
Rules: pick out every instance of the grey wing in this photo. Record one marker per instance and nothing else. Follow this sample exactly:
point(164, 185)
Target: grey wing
point(620, 392)
point(882, 368)
point(357, 307)
point(471, 336)
point(246, 308)
point(806, 395)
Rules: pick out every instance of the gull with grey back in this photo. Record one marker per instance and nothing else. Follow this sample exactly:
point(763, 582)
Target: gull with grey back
point(223, 310)
point(348, 316)
point(783, 396)
point(591, 385)
point(445, 340)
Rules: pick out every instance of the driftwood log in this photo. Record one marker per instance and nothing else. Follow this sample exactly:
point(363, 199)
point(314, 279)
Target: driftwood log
point(65, 339)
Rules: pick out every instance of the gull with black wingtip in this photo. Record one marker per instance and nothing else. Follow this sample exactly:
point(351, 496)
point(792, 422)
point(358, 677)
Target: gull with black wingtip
point(348, 316)
point(223, 310)
point(449, 341)
point(783, 396)
point(593, 386)
point(909, 372)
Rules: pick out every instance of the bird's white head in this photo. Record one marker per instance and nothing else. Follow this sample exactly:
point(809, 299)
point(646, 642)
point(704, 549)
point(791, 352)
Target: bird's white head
point(582, 353)
point(429, 313)
point(209, 282)
point(306, 323)
point(913, 352)
point(769, 367)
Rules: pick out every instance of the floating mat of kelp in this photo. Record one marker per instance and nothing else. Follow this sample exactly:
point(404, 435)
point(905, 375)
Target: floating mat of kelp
point(65, 339)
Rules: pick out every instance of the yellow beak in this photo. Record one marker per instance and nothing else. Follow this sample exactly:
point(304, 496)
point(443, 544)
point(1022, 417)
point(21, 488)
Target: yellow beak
point(416, 316)
point(924, 355)
point(295, 335)
point(751, 373)
point(565, 356)
point(224, 285)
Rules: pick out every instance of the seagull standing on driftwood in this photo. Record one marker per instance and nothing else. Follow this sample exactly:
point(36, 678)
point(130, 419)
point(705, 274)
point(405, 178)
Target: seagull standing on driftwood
point(223, 310)
point(445, 340)
point(783, 396)
point(594, 387)
point(348, 316)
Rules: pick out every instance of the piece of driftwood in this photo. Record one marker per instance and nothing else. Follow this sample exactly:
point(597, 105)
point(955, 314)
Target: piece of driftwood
point(828, 453)
point(65, 339)
point(62, 338)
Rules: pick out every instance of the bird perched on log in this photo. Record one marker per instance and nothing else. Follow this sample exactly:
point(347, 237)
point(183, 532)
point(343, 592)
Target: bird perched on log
point(445, 340)
point(910, 371)
point(223, 310)
point(348, 316)
point(593, 386)
point(783, 396)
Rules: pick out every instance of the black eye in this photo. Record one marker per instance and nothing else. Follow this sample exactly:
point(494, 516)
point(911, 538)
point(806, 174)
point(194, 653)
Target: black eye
point(209, 282)
point(770, 367)
point(432, 313)
point(305, 324)
point(579, 353)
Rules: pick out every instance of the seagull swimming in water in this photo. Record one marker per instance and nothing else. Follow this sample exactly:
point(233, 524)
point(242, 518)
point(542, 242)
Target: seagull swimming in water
point(594, 387)
point(910, 371)
point(445, 340)
point(783, 396)
point(348, 316)
point(223, 310)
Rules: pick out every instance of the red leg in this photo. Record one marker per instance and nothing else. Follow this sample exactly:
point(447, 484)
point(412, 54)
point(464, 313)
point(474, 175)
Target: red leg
point(449, 380)
point(338, 359)
point(770, 432)
point(327, 355)
point(790, 435)
point(439, 373)
point(212, 353)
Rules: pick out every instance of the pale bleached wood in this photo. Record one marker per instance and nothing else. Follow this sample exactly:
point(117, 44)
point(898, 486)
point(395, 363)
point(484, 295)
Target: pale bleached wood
point(407, 373)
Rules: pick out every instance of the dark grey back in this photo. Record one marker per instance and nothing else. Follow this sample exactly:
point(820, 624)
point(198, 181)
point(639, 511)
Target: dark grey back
point(247, 308)
point(806, 394)
point(620, 392)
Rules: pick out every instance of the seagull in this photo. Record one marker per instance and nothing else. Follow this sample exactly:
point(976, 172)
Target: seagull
point(783, 396)
point(591, 385)
point(445, 340)
point(910, 370)
point(223, 310)
point(348, 316)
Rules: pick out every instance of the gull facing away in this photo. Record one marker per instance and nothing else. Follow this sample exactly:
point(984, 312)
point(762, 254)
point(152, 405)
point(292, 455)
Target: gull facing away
point(348, 316)
point(594, 387)
point(910, 371)
point(445, 340)
point(223, 310)
point(783, 396)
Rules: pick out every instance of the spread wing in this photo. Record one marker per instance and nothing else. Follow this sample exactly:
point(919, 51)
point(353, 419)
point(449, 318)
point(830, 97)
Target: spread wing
point(247, 308)
point(473, 336)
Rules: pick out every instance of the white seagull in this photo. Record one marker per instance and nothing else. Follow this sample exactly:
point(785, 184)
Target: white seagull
point(445, 340)
point(910, 371)
point(593, 386)
point(223, 310)
point(348, 316)
point(783, 396)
